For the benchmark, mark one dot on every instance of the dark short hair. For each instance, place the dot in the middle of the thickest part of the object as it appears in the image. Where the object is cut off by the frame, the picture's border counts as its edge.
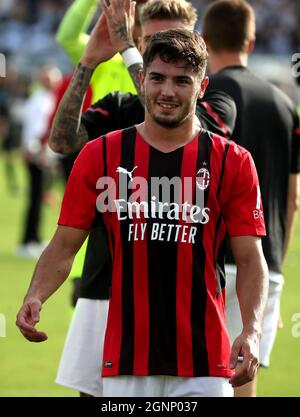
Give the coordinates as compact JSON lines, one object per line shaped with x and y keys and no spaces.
{"x":228,"y":25}
{"x":170,"y":10}
{"x":174,"y":45}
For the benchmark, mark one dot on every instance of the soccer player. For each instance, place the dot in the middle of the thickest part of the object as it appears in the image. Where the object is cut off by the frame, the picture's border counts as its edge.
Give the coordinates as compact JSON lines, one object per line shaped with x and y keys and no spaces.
{"x":216,"y":112}
{"x":267,"y":125}
{"x":166,"y":332}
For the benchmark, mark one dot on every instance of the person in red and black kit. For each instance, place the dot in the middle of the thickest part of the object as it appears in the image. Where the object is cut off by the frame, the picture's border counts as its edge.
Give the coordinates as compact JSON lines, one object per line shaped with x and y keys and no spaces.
{"x":216,"y":112}
{"x":167,"y":252}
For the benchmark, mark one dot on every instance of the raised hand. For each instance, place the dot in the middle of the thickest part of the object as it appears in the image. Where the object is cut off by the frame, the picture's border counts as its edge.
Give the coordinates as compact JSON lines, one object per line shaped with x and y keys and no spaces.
{"x":99,"y":48}
{"x":120,"y":16}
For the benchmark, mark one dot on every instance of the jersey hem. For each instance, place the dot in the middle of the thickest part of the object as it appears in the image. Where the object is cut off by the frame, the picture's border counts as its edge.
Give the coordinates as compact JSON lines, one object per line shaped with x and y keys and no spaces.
{"x":78,"y":388}
{"x":212,"y":373}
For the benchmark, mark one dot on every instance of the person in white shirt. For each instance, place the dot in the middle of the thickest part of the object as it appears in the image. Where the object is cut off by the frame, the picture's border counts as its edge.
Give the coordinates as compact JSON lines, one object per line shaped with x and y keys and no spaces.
{"x":36,"y":155}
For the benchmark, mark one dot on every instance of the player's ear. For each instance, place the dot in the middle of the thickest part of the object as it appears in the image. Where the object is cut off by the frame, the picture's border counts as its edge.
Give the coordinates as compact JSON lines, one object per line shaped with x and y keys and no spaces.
{"x":206,"y":42}
{"x":250,"y":46}
{"x":203,"y":86}
{"x":140,"y":45}
{"x":141,"y":81}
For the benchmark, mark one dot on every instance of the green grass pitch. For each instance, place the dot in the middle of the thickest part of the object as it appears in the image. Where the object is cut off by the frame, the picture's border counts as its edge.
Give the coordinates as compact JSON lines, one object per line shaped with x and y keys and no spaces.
{"x":28,"y":369}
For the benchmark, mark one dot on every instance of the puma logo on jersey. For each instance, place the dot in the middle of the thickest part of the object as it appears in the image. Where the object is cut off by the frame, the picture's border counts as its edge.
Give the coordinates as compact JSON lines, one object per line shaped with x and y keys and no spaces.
{"x":124,"y":171}
{"x":108,"y":364}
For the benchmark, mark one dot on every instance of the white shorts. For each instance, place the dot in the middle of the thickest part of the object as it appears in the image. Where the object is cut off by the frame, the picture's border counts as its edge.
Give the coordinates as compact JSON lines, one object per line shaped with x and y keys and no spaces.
{"x":80,"y":364}
{"x":272,"y":312}
{"x":166,"y":386}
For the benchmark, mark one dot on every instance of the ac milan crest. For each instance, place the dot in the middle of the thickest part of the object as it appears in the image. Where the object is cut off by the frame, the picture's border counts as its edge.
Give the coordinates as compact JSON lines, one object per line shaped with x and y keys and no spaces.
{"x":203,"y":179}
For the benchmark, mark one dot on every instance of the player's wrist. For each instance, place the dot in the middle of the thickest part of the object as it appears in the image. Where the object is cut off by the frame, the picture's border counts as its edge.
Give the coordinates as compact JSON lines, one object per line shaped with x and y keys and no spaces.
{"x":88,"y":63}
{"x":253,"y":330}
{"x":125,"y":45}
{"x":131,"y":56}
{"x":33,"y":298}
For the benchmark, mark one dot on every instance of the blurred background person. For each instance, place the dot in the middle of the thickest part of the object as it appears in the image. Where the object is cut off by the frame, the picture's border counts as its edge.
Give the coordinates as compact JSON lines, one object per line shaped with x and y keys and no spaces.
{"x":268,"y":126}
{"x":13,"y":94}
{"x":37,"y":155}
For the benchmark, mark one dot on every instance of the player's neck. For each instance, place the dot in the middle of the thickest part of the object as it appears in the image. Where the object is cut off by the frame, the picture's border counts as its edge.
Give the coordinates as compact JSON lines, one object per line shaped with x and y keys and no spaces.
{"x":221,"y":60}
{"x":167,"y":139}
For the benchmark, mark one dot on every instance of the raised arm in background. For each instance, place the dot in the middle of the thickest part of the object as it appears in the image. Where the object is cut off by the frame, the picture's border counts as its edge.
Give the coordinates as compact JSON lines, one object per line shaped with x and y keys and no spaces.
{"x":68,"y":134}
{"x":109,"y":36}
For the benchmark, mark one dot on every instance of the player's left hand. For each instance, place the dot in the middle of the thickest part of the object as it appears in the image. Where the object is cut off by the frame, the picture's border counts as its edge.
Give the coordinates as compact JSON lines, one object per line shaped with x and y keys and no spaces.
{"x":245,"y":346}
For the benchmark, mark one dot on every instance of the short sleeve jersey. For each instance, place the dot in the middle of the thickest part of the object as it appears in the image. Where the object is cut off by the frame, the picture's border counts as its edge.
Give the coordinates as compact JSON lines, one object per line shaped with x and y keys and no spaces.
{"x":216,"y":112}
{"x":166,"y":215}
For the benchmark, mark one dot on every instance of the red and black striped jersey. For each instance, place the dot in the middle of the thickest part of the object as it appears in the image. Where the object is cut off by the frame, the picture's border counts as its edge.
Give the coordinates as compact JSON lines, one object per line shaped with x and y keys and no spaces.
{"x":167,"y":216}
{"x":216,"y":113}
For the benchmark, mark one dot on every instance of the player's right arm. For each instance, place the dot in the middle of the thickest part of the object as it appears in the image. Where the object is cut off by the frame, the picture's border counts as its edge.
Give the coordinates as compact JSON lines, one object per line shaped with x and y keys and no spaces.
{"x":51,"y":271}
{"x":76,"y":219}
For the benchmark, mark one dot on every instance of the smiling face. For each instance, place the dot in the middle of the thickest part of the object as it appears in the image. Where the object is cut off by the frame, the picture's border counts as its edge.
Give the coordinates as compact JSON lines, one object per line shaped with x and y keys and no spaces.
{"x":171,"y":91}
